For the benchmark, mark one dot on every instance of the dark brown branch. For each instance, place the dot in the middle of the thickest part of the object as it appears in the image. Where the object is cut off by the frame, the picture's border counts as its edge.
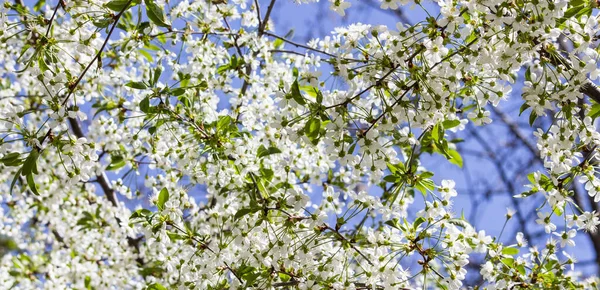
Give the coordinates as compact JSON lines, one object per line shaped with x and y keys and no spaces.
{"x":52,"y":19}
{"x":101,"y":179}
{"x":265,"y":20}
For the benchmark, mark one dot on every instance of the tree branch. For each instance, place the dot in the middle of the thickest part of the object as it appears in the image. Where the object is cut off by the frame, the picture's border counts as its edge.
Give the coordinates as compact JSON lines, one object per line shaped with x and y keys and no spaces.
{"x":101,"y":179}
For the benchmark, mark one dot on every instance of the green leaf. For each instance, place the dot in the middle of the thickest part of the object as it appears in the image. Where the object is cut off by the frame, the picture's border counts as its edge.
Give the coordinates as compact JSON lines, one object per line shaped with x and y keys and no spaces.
{"x":262,"y":189}
{"x":102,"y":23}
{"x":391,"y":178}
{"x":312,"y":128}
{"x":459,"y":223}
{"x":594,"y":111}
{"x":521,"y":269}
{"x":31,"y":184}
{"x":116,"y":163}
{"x":278,"y":42}
{"x":39,"y":5}
{"x":156,"y":286}
{"x":157,"y":73}
{"x":296,"y":95}
{"x":395,"y":168}
{"x":177,"y":92}
{"x":87,"y":282}
{"x":393,"y":223}
{"x":557,"y":211}
{"x":532,"y":118}
{"x":7,"y":243}
{"x":524,"y":107}
{"x":418,"y":222}
{"x":576,"y":9}
{"x":145,"y":105}
{"x":311,"y":91}
{"x":222,"y":69}
{"x":146,"y":54}
{"x":508,"y":261}
{"x":525,"y":194}
{"x":435,"y":133}
{"x":30,"y":164}
{"x":510,"y":251}
{"x":531,"y":177}
{"x":262,"y":151}
{"x":448,"y":124}
{"x":426,"y":174}
{"x":10,"y":158}
{"x":15,"y":178}
{"x":424,"y":185}
{"x":528,"y":74}
{"x":244,"y":211}
{"x":163,"y":196}
{"x":155,"y":13}
{"x":117,"y":5}
{"x":140,"y":213}
{"x":136,"y":85}
{"x":224,"y":122}
{"x":456,"y":158}
{"x":573,"y":3}
{"x":267,"y":173}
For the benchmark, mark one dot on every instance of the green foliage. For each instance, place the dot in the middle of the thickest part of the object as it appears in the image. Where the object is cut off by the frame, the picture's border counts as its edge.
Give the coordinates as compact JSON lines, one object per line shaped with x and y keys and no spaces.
{"x":163,"y":197}
{"x":156,"y":14}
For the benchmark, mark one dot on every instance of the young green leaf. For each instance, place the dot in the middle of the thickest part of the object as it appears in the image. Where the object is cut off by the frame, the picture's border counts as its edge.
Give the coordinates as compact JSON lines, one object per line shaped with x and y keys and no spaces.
{"x":10,"y":158}
{"x":418,"y":222}
{"x":594,"y":111}
{"x":312,"y":128}
{"x":156,"y":286}
{"x":156,"y":13}
{"x":456,"y":158}
{"x":177,"y":91}
{"x":117,"y":5}
{"x":30,"y":164}
{"x":532,"y":118}
{"x":156,"y":77}
{"x":136,"y":85}
{"x":15,"y":178}
{"x":296,"y":95}
{"x":510,"y":251}
{"x":524,"y":107}
{"x":262,"y":189}
{"x":244,"y":211}
{"x":263,"y":151}
{"x":163,"y":197}
{"x":145,"y":105}
{"x":31,"y":184}
{"x":116,"y":163}
{"x":448,"y":124}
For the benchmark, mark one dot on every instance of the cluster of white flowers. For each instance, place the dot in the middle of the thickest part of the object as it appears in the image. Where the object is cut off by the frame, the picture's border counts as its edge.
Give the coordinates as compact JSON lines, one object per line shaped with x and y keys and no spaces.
{"x":120,"y":99}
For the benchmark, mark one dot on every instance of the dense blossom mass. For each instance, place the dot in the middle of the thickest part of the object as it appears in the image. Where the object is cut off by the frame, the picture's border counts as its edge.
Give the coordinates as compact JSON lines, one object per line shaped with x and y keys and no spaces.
{"x":273,"y":164}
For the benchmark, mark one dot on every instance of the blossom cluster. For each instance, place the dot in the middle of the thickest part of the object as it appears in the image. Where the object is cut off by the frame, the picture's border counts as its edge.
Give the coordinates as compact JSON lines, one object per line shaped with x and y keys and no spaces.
{"x":297,"y":181}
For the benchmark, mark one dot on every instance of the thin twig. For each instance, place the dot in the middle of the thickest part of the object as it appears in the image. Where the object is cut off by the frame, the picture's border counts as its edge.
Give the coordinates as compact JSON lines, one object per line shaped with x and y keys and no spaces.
{"x":265,"y":20}
{"x":52,"y":19}
{"x":101,"y":179}
{"x":349,"y":243}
